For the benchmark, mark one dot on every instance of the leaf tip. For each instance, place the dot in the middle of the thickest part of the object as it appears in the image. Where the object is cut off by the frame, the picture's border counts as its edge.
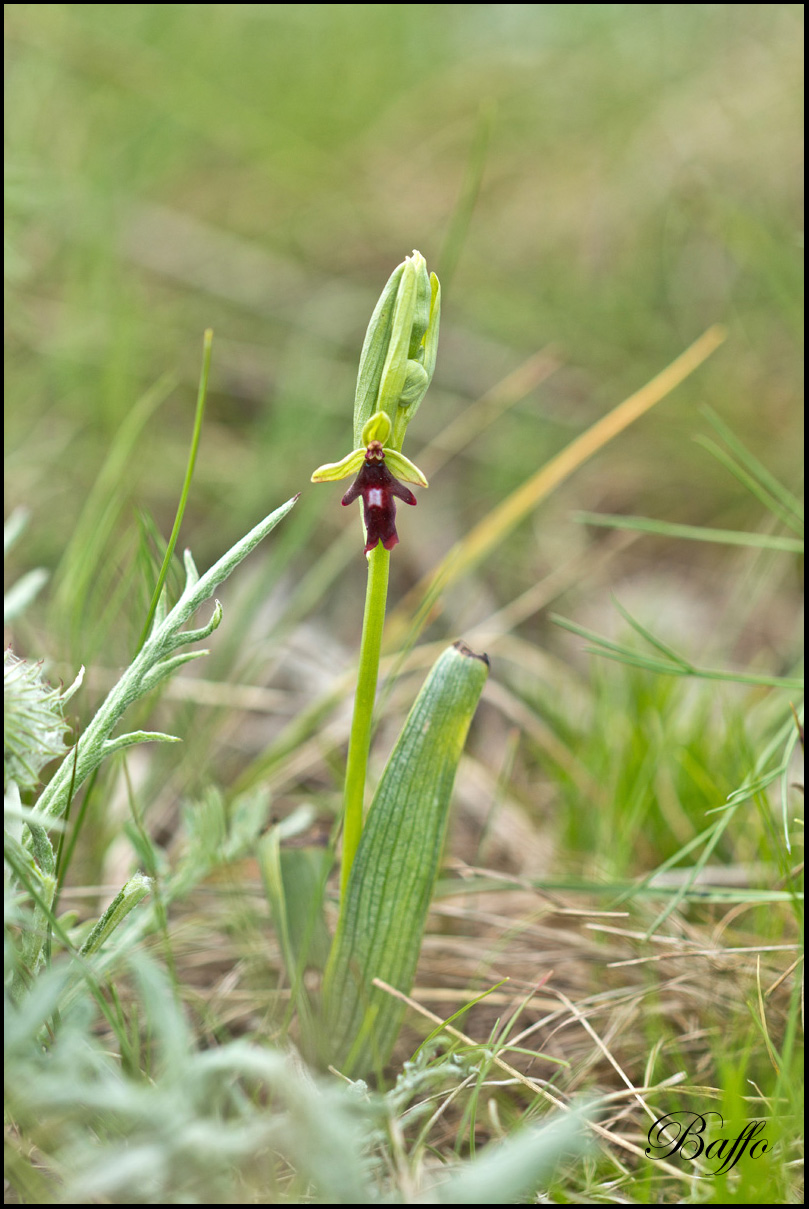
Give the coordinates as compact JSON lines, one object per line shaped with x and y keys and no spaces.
{"x":462,"y":649}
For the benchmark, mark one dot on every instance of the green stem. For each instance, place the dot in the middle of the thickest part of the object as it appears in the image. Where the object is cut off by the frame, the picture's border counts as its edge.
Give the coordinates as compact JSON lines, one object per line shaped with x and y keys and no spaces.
{"x":359,"y":743}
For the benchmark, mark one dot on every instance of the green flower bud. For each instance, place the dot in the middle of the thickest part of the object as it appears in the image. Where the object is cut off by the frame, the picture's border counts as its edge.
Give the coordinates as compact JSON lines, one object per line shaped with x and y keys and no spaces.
{"x":399,"y":352}
{"x":396,"y":365}
{"x":421,"y":310}
{"x":415,"y":386}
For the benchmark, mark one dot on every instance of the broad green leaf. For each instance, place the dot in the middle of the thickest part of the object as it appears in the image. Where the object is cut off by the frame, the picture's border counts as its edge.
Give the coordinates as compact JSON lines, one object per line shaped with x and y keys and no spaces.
{"x":294,"y":880}
{"x":304,"y":872}
{"x":393,"y":874}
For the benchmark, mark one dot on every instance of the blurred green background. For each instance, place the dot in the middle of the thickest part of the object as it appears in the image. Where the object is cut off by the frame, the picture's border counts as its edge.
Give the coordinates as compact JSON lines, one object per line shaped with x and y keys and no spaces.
{"x":602,"y":180}
{"x":595,"y":186}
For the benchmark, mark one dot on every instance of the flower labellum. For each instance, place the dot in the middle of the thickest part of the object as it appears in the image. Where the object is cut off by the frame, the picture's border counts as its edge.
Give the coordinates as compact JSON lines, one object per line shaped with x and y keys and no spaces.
{"x":378,"y":486}
{"x":380,"y":468}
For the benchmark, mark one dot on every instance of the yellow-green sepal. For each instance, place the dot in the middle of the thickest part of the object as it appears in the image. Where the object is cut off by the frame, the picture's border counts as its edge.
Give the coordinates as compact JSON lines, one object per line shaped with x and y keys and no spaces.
{"x":331,"y":471}
{"x":378,"y":428}
{"x":402,"y":468}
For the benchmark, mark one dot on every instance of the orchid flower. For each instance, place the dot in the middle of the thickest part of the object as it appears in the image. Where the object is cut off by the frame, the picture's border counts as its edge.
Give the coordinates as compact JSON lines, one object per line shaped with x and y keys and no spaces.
{"x":379,"y":469}
{"x":396,"y":367}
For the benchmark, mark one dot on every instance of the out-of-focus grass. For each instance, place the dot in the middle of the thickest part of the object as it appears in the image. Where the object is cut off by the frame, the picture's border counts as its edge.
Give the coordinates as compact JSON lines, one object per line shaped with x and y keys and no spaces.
{"x":603,"y":182}
{"x":257,"y":168}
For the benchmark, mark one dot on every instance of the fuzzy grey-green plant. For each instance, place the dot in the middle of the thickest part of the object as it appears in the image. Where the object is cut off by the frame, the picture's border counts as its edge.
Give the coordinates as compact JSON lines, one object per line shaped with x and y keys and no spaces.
{"x":33,"y":721}
{"x":28,"y":586}
{"x":151,"y":665}
{"x":236,"y":1123}
{"x":38,"y":725}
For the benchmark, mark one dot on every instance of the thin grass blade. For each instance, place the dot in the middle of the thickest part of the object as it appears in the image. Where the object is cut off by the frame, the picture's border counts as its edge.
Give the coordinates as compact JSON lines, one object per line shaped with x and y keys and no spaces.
{"x":693,"y":533}
{"x":493,"y":528}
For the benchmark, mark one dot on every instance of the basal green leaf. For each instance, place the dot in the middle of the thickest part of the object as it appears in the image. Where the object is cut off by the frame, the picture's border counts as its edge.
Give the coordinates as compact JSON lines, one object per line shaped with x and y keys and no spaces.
{"x":393,"y":874}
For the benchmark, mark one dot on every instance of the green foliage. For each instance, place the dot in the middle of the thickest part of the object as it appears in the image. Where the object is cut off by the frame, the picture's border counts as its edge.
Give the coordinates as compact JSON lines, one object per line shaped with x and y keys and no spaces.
{"x":154,"y":662}
{"x":391,"y":883}
{"x":192,"y":1126}
{"x":226,"y":1125}
{"x":596,"y":185}
{"x":28,"y":586}
{"x":33,"y":722}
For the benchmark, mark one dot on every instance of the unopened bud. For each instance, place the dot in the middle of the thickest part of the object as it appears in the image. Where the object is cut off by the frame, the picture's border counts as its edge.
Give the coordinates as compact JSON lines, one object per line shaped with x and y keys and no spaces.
{"x":399,"y":352}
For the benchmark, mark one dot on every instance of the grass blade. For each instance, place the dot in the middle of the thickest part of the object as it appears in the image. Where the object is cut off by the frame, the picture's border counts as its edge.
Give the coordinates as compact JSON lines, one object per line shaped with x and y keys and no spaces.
{"x":693,"y":533}
{"x":753,"y":484}
{"x":760,"y":472}
{"x":674,"y":665}
{"x":84,"y":553}
{"x":497,"y":524}
{"x":189,"y":474}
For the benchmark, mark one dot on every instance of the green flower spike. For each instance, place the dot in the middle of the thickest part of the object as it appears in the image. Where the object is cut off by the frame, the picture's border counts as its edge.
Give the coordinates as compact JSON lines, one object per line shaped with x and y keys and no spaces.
{"x":396,"y":366}
{"x":378,"y":468}
{"x":399,"y":353}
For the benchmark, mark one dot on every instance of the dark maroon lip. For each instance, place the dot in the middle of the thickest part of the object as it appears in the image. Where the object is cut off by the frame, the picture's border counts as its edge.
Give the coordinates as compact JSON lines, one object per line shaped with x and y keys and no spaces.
{"x":378,"y":486}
